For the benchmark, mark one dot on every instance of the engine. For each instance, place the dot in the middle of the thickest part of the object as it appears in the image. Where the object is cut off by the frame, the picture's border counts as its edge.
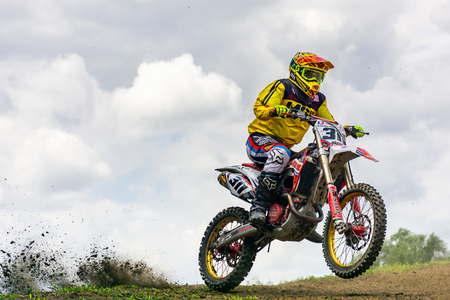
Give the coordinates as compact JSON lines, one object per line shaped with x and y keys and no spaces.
{"x":277,"y":214}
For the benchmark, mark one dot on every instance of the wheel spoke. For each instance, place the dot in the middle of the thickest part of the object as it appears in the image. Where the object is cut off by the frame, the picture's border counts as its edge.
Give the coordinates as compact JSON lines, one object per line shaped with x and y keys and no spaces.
{"x":225,"y":263}
{"x":352,"y":253}
{"x":225,"y":268}
{"x":350,"y":248}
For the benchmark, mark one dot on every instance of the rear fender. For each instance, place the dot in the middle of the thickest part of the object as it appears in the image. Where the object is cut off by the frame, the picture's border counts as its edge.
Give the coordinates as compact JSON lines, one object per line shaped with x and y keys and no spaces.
{"x":240,"y":180}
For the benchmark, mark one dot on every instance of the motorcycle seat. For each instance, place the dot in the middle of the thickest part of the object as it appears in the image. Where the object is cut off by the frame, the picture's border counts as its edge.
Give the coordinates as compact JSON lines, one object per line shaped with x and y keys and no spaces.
{"x":254,"y":166}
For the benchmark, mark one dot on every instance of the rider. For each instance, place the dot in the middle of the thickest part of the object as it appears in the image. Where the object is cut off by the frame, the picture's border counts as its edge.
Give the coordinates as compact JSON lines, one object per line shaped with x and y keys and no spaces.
{"x":272,"y":135}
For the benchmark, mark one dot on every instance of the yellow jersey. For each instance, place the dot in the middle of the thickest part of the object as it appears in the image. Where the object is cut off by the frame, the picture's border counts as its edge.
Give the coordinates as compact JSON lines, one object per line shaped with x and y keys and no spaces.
{"x":286,"y":130}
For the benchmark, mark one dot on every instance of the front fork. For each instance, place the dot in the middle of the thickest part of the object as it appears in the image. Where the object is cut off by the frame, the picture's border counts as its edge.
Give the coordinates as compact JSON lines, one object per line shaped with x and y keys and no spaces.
{"x":333,"y":201}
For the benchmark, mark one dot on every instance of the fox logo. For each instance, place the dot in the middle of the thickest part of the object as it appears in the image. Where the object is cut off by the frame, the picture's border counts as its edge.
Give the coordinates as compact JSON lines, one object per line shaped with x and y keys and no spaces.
{"x":276,"y":155}
{"x":269,"y":183}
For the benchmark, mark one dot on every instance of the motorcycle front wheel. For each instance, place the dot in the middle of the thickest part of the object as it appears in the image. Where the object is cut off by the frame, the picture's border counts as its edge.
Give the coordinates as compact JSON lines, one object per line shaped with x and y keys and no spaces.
{"x":225,"y":268}
{"x":351,"y":254}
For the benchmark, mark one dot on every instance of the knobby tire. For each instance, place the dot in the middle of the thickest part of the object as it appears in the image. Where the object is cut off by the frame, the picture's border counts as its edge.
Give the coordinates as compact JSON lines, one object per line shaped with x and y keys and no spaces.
{"x":349,"y":256}
{"x":236,"y":258}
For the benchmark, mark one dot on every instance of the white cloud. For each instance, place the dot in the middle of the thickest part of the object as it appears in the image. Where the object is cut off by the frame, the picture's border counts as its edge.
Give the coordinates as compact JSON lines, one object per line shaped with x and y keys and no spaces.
{"x":45,"y":101}
{"x":48,"y":93}
{"x":51,"y":158}
{"x":173,"y":97}
{"x":439,"y":14}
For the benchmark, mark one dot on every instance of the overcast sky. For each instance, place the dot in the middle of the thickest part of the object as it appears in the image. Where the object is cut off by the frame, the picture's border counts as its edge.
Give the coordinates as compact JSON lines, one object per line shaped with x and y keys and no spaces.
{"x":114,"y":115}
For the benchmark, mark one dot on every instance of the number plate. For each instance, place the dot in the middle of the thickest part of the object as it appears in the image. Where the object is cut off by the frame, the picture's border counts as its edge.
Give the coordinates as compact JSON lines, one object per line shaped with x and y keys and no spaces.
{"x":331,"y":135}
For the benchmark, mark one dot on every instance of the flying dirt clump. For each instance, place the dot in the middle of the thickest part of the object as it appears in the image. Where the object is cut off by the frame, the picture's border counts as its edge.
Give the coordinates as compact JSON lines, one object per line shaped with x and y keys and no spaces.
{"x":108,"y":271}
{"x":36,"y":265}
{"x":29,"y":269}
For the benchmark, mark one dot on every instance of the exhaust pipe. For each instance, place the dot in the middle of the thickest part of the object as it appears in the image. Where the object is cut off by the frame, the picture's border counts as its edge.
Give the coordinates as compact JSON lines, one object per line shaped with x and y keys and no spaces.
{"x":238,"y":233}
{"x":304,"y":217}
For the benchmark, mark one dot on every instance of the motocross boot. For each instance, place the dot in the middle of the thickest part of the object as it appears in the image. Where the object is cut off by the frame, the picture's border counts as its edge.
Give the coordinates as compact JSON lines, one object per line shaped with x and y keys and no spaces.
{"x":264,"y":191}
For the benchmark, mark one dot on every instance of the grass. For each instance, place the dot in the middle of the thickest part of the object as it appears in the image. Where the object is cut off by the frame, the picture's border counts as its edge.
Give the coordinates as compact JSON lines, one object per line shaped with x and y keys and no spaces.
{"x":180,"y":292}
{"x":402,"y":268}
{"x":131,"y":292}
{"x":396,"y":268}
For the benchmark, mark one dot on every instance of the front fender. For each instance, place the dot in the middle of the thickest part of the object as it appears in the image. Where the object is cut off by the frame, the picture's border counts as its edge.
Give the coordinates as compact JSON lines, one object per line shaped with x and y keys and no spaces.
{"x":334,"y":150}
{"x":339,"y":156}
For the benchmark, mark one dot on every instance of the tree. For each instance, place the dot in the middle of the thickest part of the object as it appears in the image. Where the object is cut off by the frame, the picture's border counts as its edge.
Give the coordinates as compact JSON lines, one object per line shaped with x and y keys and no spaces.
{"x":404,"y":247}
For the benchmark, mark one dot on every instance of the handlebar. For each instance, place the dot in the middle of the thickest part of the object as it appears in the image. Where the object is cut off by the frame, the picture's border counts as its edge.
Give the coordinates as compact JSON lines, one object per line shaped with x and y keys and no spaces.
{"x":297,"y":114}
{"x":303,"y":116}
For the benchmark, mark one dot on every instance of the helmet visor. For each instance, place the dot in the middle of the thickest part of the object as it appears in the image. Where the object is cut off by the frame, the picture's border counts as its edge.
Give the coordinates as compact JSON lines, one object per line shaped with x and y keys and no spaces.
{"x":312,"y":75}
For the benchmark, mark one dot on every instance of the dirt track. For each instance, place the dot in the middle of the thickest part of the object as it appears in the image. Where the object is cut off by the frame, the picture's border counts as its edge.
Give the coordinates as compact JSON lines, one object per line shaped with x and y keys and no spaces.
{"x":429,"y":283}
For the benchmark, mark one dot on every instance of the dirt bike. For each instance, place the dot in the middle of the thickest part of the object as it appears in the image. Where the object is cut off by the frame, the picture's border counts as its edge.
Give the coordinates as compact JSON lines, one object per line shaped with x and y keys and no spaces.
{"x":354,"y":229}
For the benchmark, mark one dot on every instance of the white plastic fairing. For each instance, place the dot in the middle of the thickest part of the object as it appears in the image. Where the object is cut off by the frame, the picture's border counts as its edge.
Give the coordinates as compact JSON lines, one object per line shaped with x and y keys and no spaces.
{"x":250,"y":173}
{"x":239,"y":186}
{"x":241,"y":181}
{"x":353,"y":149}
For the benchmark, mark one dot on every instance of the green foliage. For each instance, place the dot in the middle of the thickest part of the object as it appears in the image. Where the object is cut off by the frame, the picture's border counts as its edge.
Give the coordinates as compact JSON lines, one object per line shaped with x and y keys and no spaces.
{"x":406,"y":248}
{"x":132,"y":292}
{"x":397,"y":268}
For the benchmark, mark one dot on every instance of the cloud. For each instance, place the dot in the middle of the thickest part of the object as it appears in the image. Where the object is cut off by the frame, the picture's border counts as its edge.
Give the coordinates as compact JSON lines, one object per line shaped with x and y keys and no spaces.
{"x":48,"y":93}
{"x":438,"y":15}
{"x":173,"y":97}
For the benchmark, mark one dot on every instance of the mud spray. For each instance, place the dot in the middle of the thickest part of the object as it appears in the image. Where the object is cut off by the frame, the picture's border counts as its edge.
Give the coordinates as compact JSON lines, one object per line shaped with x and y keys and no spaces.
{"x":34,"y":265}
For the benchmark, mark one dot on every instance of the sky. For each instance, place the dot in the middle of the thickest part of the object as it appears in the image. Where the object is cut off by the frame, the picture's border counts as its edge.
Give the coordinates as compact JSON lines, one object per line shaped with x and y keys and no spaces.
{"x":114,"y":115}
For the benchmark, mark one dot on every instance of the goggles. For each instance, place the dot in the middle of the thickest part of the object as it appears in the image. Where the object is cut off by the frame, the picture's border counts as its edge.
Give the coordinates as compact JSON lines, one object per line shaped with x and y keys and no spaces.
{"x":312,"y":75}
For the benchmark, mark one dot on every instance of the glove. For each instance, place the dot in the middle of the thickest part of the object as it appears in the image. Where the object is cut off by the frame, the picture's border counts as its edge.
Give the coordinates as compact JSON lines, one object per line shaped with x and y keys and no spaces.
{"x":355,"y":131}
{"x":278,"y":111}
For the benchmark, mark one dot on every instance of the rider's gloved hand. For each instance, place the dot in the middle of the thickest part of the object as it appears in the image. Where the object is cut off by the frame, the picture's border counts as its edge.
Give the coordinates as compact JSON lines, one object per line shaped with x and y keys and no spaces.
{"x":278,"y":111}
{"x":355,"y":131}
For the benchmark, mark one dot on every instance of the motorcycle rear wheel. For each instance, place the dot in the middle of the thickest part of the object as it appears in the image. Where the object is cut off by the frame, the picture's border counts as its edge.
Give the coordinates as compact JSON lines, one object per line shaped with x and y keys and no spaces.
{"x":351,"y":254}
{"x":224,"y":269}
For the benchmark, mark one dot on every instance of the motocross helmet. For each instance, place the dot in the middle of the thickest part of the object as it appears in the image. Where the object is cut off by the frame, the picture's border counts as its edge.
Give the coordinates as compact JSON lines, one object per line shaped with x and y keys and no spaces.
{"x":307,"y":71}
